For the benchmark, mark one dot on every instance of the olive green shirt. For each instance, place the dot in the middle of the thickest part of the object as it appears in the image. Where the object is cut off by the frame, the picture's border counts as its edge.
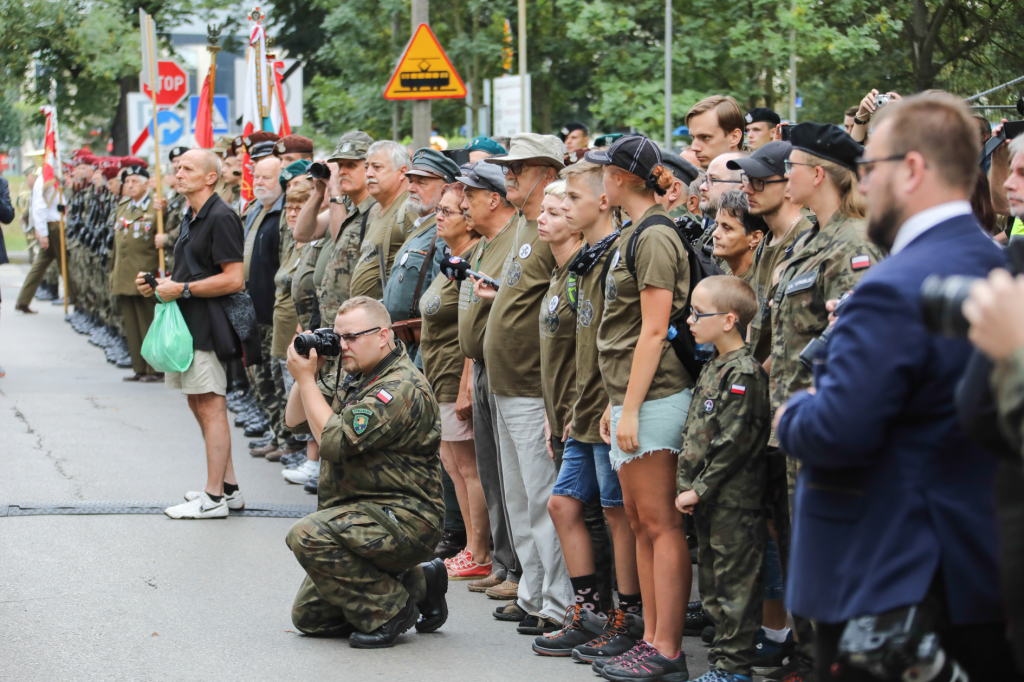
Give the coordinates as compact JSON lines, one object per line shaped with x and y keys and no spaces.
{"x":443,"y":360}
{"x":286,"y":319}
{"x":385,"y":234}
{"x":486,"y":258}
{"x":511,"y":342}
{"x":558,"y":347}
{"x":661,"y":262}
{"x":134,"y":245}
{"x":766,"y":260}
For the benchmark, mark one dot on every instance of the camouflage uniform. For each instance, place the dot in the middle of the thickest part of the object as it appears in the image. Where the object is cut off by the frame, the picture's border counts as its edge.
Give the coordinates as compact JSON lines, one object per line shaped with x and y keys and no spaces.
{"x":334,"y":289}
{"x":303,"y":287}
{"x":379,"y":509}
{"x":827,"y":262}
{"x":723,"y":462}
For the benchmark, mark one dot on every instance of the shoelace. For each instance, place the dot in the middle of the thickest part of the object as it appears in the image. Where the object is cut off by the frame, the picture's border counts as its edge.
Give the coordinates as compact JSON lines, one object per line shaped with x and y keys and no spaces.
{"x":616,"y":626}
{"x":570,"y":621}
{"x":457,"y":560}
{"x":630,"y":655}
{"x":647,"y":652}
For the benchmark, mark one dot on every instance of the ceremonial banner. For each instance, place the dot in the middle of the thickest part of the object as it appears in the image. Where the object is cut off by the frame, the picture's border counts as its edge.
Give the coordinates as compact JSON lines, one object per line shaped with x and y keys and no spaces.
{"x":257,"y":104}
{"x":204,"y":118}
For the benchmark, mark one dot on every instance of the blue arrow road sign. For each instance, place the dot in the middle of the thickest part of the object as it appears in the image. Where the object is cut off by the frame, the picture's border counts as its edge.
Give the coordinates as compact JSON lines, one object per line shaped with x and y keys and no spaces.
{"x":170,"y":125}
{"x":220,"y":114}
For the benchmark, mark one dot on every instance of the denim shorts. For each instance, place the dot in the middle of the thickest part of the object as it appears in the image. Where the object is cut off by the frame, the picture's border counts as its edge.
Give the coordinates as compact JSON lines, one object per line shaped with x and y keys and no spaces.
{"x":772,"y":572}
{"x":661,"y":424}
{"x":586,"y":473}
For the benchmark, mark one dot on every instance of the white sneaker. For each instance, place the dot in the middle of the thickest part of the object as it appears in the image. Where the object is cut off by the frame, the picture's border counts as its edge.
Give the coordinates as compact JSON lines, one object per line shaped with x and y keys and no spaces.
{"x":201,"y":507}
{"x":235,"y":500}
{"x":304,"y":473}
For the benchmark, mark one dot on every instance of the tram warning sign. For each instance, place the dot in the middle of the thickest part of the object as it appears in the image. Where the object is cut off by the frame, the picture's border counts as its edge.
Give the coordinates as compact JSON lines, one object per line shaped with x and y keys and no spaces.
{"x":424,"y":71}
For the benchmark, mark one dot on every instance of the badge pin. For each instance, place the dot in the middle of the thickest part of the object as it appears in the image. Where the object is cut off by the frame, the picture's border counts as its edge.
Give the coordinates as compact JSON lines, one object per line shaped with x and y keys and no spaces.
{"x":553,"y":304}
{"x":615,"y":259}
{"x":525,"y":251}
{"x":405,"y":258}
{"x":709,"y":405}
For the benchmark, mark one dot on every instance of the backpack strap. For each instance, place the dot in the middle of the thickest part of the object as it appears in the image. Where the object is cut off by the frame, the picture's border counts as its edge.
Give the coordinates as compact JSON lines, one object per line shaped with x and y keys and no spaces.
{"x":605,"y":269}
{"x":634,"y":239}
{"x":362,"y":228}
{"x":414,"y":308}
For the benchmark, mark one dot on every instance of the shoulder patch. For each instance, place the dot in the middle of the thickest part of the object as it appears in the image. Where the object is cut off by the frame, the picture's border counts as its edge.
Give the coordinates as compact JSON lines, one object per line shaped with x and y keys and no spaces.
{"x":738,"y":389}
{"x":860,"y":262}
{"x":363,"y":411}
{"x":709,"y":405}
{"x":360,"y":421}
{"x":384,"y":396}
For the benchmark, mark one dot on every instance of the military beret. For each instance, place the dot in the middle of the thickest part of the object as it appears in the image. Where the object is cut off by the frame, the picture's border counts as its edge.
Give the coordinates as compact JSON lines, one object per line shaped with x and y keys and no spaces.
{"x":260,"y":150}
{"x":680,"y":167}
{"x":761,"y":114}
{"x":110,"y":172}
{"x":134,"y":170}
{"x":569,"y":128}
{"x":828,"y":142}
{"x":294,"y":170}
{"x":133,"y":161}
{"x":431,"y":163}
{"x":176,"y":152}
{"x":352,"y":146}
{"x":236,"y":144}
{"x":486,"y":144}
{"x":607,"y":140}
{"x":253,"y":139}
{"x":293,"y":144}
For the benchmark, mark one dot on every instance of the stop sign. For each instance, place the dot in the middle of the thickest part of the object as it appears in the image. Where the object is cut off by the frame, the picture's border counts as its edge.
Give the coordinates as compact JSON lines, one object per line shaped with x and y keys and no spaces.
{"x":173,"y":84}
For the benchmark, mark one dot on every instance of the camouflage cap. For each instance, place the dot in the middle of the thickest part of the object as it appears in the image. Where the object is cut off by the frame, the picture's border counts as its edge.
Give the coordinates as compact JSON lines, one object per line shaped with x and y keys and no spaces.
{"x":545,"y":150}
{"x":353,"y":145}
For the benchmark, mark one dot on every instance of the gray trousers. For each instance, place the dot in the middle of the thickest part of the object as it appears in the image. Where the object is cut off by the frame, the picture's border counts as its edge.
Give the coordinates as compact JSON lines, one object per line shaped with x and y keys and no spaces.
{"x":485,"y":438}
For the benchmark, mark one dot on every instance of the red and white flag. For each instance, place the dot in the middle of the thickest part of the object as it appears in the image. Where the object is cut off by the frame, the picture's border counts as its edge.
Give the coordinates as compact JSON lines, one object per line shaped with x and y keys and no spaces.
{"x":52,"y":169}
{"x":204,"y":117}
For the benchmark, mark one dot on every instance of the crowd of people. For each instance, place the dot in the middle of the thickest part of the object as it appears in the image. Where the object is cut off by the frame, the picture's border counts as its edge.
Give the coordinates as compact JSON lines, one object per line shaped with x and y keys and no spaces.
{"x":622,"y":357}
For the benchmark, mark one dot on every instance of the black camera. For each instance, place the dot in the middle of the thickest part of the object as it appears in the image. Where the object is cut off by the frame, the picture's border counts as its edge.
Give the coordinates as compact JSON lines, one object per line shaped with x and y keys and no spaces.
{"x":318,"y":171}
{"x":817,"y":346}
{"x":942,"y":300}
{"x":324,"y":341}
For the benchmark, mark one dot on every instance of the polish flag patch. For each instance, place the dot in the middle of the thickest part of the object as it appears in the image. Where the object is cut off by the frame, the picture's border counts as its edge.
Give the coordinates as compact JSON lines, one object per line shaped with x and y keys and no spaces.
{"x":860,"y":262}
{"x":385,"y":397}
{"x":739,"y":390}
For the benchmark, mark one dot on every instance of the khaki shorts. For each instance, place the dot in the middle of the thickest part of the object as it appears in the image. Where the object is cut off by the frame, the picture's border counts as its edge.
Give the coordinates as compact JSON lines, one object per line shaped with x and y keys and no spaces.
{"x":205,"y":375}
{"x":451,"y":428}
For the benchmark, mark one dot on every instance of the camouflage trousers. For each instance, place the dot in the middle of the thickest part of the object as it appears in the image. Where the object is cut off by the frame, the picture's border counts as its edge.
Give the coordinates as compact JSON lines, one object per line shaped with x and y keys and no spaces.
{"x":361,"y":568}
{"x":267,"y":382}
{"x":731,"y":579}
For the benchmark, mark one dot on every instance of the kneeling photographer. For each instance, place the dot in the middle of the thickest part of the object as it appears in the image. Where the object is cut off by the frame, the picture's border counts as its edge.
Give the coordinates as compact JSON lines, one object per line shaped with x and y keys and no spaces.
{"x":380,"y":511}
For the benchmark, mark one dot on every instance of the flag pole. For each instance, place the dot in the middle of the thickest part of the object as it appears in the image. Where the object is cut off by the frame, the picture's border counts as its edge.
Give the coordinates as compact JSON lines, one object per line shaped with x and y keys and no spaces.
{"x":213,"y":47}
{"x":59,"y":182}
{"x":148,"y":30}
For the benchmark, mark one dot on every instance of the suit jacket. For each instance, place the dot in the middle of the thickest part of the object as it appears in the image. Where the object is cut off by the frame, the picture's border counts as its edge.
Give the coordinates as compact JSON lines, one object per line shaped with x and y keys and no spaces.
{"x":891,"y":489}
{"x":6,"y":215}
{"x":265,"y":260}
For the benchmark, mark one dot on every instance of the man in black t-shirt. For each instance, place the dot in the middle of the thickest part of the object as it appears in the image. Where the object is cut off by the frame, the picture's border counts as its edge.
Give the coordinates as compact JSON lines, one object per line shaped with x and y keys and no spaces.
{"x":213,"y":237}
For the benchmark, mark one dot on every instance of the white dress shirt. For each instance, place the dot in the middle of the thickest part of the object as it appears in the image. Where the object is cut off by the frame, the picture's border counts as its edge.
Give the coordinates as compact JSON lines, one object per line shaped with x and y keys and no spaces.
{"x":916,"y":225}
{"x":44,"y":208}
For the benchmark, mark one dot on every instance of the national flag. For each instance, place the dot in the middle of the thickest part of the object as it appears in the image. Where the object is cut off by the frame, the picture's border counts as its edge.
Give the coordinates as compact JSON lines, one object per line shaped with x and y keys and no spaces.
{"x":51,"y":158}
{"x":385,"y":397}
{"x":738,"y":389}
{"x":278,"y":112}
{"x":204,"y":117}
{"x":256,"y":101}
{"x":860,"y":262}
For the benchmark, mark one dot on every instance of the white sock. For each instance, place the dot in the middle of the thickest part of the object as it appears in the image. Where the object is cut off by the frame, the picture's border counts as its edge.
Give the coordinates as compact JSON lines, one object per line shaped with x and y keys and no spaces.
{"x":777,"y":636}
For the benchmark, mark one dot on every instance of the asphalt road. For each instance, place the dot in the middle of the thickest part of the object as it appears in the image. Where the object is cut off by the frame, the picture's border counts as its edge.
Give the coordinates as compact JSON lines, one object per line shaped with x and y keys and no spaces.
{"x":142,"y":597}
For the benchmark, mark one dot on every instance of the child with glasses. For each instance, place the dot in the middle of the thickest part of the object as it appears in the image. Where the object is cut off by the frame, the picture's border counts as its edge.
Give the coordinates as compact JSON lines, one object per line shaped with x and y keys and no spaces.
{"x":722,"y":474}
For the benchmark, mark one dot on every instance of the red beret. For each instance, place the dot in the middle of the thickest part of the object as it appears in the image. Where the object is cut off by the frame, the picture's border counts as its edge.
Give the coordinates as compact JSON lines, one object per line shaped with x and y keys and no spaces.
{"x":133,"y":161}
{"x":293,"y":144}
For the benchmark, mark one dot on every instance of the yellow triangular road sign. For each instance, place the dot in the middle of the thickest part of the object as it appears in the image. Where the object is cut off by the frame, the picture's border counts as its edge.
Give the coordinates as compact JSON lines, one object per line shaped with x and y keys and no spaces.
{"x":424,"y":71}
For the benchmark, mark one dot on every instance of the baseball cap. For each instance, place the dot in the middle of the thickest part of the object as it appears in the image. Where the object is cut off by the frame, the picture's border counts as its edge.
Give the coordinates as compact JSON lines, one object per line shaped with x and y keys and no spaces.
{"x":635,"y":154}
{"x":485,"y":176}
{"x":680,"y":167}
{"x":428,"y":162}
{"x":352,"y":146}
{"x":485,"y":144}
{"x":762,"y":114}
{"x":827,"y":142}
{"x":543,"y":149}
{"x":765,"y":162}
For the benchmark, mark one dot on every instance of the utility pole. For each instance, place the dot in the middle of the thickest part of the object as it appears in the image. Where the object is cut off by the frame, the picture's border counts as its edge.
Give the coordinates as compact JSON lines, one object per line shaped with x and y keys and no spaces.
{"x":420,"y":107}
{"x":522,"y":67}
{"x":792,"y":68}
{"x":668,"y":75}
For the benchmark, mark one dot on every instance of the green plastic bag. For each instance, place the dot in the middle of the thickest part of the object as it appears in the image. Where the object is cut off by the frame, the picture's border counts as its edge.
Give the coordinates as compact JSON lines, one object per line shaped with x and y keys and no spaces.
{"x":168,"y":344}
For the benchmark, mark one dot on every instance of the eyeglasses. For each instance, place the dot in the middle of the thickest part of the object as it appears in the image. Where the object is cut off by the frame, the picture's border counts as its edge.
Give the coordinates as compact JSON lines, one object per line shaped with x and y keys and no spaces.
{"x":866,"y":166}
{"x":696,"y":316}
{"x":350,"y":338}
{"x":448,"y":212}
{"x":757,"y":184}
{"x":788,"y":165}
{"x":289,"y":208}
{"x":515,"y":168}
{"x":711,"y":181}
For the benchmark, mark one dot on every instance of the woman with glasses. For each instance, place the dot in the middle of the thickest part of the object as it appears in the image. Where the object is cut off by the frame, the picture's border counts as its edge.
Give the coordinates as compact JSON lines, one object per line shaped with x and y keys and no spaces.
{"x":647,"y":286}
{"x":450,"y":375}
{"x":737,"y":234}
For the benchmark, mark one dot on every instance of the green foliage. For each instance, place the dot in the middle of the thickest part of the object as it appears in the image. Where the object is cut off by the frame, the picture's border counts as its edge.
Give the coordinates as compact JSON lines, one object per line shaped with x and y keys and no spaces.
{"x":10,"y":121}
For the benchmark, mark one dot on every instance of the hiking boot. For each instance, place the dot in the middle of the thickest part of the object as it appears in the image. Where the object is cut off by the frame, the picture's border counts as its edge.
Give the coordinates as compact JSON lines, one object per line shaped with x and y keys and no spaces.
{"x":385,"y":636}
{"x":621,"y":633}
{"x":579,"y":627}
{"x":641,"y":648}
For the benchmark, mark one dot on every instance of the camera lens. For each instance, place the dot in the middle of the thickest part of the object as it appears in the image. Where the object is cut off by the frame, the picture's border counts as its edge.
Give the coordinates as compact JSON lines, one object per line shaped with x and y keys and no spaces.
{"x":320,"y":171}
{"x":942,"y":300}
{"x":304,"y":343}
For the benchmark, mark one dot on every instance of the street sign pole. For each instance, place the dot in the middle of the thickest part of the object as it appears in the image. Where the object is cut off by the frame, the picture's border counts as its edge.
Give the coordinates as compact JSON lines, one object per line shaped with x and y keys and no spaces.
{"x":522,"y":66}
{"x":420,"y":107}
{"x":668,"y":75}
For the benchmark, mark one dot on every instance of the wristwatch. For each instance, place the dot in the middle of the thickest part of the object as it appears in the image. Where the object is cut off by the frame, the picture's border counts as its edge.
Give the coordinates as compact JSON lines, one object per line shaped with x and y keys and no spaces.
{"x":185,"y":293}
{"x":856,"y":120}
{"x":337,"y":200}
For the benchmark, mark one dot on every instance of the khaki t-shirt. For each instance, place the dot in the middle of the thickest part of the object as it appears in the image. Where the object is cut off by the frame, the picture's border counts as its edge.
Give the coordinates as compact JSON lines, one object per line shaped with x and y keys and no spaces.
{"x":558,"y":347}
{"x":486,"y":258}
{"x":767,"y":258}
{"x":511,"y":342}
{"x":285,"y":316}
{"x":661,"y":262}
{"x":385,"y":233}
{"x":593,"y":399}
{"x":443,"y":360}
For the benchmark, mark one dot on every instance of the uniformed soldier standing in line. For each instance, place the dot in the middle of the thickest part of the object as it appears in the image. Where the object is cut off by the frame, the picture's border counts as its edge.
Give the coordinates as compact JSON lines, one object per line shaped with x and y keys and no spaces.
{"x":379,"y":511}
{"x":134,"y":252}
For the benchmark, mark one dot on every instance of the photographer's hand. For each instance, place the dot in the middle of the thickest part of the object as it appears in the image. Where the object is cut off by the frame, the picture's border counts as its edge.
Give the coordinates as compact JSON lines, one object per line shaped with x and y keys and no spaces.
{"x":995,"y":310}
{"x":304,"y":368}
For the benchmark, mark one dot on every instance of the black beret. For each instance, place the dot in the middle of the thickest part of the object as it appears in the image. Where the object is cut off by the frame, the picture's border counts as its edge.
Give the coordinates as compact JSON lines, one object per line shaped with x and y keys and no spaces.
{"x":762,"y":114}
{"x":570,"y":127}
{"x":827,"y":141}
{"x":176,"y":152}
{"x":680,"y":167}
{"x":134,"y":170}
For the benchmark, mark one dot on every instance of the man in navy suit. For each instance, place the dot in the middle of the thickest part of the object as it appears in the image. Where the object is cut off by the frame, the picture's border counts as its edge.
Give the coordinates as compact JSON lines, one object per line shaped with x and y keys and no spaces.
{"x":894,"y":504}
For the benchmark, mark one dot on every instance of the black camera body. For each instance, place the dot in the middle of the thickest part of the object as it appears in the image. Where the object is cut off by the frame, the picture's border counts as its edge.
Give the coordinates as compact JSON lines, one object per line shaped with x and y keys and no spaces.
{"x":318,"y":171}
{"x":942,"y":300}
{"x":324,"y":341}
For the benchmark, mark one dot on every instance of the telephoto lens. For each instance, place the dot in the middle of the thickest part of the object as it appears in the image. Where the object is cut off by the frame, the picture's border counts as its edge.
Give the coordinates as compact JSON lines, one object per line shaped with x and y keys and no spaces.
{"x":942,"y":300}
{"x":324,"y":341}
{"x":319,"y":170}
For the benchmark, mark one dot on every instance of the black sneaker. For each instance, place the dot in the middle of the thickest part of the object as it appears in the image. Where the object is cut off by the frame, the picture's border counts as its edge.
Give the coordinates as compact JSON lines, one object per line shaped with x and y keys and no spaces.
{"x":707,"y":635}
{"x":696,"y":621}
{"x":579,"y":627}
{"x":621,"y":633}
{"x":648,"y":666}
